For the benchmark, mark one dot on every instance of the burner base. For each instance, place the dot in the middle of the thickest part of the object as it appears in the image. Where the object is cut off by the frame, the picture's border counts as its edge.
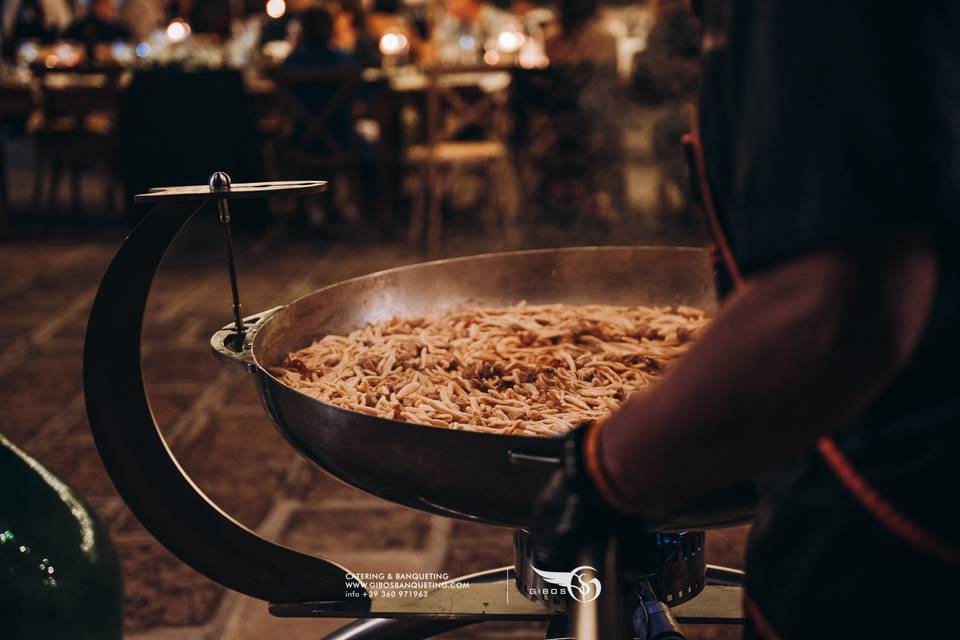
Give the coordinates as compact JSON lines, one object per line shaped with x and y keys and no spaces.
{"x":674,"y":565}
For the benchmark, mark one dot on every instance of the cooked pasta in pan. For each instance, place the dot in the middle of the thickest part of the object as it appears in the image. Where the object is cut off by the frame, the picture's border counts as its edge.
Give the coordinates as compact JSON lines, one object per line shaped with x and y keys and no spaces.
{"x":523,"y":369}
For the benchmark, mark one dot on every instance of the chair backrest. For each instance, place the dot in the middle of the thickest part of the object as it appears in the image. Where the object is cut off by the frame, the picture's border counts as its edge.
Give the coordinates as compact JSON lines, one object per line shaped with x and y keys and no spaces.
{"x":466,"y":101}
{"x":77,"y":91}
{"x":320,"y":103}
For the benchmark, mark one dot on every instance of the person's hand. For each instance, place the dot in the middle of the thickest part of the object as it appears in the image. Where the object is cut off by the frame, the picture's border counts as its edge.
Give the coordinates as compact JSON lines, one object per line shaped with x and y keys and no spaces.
{"x":570,"y":512}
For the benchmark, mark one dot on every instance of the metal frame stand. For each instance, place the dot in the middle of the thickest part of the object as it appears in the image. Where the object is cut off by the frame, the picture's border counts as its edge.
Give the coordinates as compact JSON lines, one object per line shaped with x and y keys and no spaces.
{"x":172,"y":508}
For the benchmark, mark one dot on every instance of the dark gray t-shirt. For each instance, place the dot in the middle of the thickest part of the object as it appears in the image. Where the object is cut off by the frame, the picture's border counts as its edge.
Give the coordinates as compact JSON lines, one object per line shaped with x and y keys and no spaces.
{"x":824,"y":123}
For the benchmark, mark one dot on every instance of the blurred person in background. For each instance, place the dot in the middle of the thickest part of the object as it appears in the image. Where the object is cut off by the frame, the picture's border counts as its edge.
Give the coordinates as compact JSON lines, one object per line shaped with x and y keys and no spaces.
{"x":574,"y":107}
{"x":99,"y":24}
{"x":351,"y":35}
{"x":39,"y":20}
{"x":464,"y":27}
{"x":314,"y":47}
{"x":316,"y":51}
{"x":386,"y":17}
{"x":583,"y":36}
{"x":574,"y":120}
{"x":665,"y":80}
{"x":669,"y":66}
{"x":142,"y":17}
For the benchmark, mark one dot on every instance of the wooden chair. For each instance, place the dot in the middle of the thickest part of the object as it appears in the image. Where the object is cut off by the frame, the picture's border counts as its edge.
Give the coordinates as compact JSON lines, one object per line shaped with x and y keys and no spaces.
{"x":465,"y":125}
{"x":75,"y":128}
{"x":317,"y":108}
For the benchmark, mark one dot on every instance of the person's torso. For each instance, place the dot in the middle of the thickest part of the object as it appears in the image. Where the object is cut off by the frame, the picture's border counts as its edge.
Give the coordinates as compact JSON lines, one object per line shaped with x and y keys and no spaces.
{"x":813,"y":541}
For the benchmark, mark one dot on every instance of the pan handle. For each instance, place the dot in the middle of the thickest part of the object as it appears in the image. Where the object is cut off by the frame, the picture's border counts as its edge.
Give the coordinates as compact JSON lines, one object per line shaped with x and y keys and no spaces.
{"x":525,"y":458}
{"x":226,"y":343}
{"x":141,"y":465}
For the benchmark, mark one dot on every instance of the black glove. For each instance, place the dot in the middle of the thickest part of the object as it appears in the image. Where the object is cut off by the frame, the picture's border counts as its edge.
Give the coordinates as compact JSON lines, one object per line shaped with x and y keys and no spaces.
{"x":570,"y":512}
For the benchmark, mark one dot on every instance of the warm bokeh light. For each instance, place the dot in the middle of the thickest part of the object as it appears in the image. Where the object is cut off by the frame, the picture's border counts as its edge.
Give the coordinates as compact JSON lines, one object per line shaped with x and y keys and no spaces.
{"x":510,"y":41}
{"x":178,"y":30}
{"x":618,"y":28}
{"x":491,"y":57}
{"x":67,"y":55}
{"x":393,"y":43}
{"x":277,"y":50}
{"x":28,"y":52}
{"x":532,"y":59}
{"x":121,"y":51}
{"x":276,"y":8}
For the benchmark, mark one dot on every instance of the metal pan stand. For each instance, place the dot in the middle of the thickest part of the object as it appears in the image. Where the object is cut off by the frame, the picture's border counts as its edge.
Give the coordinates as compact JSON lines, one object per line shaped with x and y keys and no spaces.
{"x":173,"y":509}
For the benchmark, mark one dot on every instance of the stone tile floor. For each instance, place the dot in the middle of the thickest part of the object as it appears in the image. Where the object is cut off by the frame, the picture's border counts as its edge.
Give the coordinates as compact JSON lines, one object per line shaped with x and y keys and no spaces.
{"x":212,"y":418}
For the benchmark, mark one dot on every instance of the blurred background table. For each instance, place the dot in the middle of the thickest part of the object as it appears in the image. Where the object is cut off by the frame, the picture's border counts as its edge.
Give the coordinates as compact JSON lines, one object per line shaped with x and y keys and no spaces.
{"x":410,"y":164}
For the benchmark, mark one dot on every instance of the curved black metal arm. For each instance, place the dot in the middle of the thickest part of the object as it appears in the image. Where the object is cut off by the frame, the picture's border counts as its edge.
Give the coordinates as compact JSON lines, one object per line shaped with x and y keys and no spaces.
{"x":143,"y":468}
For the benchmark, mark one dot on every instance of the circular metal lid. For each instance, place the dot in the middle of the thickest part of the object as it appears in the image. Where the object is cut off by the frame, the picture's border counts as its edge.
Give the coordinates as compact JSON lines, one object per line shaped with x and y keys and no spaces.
{"x":235,"y":191}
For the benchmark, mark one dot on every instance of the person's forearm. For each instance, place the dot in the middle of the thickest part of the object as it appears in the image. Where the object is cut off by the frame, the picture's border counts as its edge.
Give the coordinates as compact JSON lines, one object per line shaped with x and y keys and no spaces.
{"x":791,"y":357}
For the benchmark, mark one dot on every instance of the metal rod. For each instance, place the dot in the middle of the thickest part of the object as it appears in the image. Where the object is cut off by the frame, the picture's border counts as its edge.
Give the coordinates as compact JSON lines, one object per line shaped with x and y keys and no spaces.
{"x":219,"y":183}
{"x":224,"y":207}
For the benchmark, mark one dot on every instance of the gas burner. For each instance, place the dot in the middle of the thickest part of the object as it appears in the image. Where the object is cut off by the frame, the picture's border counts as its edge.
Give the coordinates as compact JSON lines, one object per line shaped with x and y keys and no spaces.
{"x":675,"y":568}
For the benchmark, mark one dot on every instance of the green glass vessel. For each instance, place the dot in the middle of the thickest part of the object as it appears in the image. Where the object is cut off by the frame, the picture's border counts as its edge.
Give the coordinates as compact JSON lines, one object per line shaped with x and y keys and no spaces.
{"x":59,"y":576}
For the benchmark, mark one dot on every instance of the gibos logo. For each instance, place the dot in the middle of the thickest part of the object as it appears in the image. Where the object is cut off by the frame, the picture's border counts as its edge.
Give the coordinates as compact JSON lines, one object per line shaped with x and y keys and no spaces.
{"x":581,"y":590}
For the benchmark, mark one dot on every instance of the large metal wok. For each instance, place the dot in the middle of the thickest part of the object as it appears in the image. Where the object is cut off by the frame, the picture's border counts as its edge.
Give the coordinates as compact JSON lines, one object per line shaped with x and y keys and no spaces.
{"x":477,"y":476}
{"x":481,"y":476}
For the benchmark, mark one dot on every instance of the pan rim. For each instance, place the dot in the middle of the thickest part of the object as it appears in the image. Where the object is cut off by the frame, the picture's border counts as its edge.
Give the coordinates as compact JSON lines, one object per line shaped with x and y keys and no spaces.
{"x":393,"y":423}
